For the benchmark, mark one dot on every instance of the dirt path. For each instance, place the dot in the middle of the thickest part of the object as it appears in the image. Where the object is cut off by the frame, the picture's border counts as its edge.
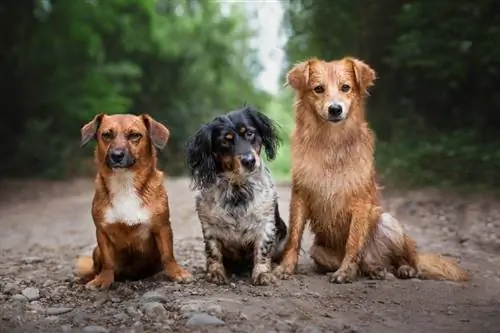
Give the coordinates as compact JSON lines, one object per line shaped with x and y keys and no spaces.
{"x":45,"y":225}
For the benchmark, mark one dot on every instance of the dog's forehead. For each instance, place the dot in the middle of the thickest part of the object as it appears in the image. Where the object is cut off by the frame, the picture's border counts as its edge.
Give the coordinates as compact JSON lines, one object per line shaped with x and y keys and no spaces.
{"x":122,"y":122}
{"x":332,"y":71}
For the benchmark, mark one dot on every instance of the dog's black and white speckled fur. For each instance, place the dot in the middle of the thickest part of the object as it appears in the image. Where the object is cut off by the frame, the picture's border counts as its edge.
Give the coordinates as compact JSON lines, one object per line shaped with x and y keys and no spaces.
{"x":237,"y":202}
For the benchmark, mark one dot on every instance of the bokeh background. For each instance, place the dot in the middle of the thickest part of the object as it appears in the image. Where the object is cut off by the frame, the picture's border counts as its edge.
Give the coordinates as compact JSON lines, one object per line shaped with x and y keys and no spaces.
{"x":435,"y":107}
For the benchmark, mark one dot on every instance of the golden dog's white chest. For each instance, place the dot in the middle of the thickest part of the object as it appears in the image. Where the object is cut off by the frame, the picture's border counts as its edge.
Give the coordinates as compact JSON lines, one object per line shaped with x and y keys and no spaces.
{"x":125,"y":204}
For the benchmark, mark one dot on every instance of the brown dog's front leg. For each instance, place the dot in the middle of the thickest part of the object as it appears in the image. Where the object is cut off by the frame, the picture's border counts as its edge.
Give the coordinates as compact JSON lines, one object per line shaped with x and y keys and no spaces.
{"x":164,"y":240}
{"x":363,"y":222}
{"x":106,"y":276}
{"x":298,"y":217}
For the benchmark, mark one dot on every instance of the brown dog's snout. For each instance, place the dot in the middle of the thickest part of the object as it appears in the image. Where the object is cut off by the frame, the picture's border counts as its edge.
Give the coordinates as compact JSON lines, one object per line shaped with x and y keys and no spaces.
{"x":119,"y":157}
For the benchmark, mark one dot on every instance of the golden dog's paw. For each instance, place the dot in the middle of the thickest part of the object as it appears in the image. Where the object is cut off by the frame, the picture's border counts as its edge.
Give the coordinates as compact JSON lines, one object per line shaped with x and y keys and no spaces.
{"x":283,"y":272}
{"x":101,"y":281}
{"x":264,"y":279}
{"x":406,"y":272}
{"x":379,"y":273}
{"x":340,"y":276}
{"x":216,"y":275}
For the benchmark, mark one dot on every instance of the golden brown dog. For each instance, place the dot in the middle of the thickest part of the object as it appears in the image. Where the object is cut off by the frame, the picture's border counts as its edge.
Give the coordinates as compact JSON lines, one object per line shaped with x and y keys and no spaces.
{"x":130,"y":206}
{"x":334,"y":184}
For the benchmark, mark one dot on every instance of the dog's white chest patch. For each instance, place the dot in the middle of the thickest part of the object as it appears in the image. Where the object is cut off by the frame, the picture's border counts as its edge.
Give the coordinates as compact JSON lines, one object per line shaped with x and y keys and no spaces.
{"x":126,"y":205}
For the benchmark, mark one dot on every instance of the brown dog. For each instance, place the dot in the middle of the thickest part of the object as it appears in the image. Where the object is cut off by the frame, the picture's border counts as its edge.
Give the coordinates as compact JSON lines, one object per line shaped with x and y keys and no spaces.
{"x":130,"y":206}
{"x":334,"y":183}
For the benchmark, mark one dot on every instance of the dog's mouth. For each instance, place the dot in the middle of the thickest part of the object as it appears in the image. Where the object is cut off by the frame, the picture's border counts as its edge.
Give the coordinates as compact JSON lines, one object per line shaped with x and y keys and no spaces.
{"x":334,"y":119}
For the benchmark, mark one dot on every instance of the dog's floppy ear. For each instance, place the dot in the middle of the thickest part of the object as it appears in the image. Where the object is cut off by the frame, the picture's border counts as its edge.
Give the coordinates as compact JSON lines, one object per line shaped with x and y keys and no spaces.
{"x":298,"y":76}
{"x":268,"y":131}
{"x":365,"y":75}
{"x":89,"y":130}
{"x":200,"y":157}
{"x":158,"y":133}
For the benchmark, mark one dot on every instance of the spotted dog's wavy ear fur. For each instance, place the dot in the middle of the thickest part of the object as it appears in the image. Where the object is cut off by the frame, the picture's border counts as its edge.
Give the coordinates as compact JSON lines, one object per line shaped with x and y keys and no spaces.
{"x":268,"y":131}
{"x":200,"y":158}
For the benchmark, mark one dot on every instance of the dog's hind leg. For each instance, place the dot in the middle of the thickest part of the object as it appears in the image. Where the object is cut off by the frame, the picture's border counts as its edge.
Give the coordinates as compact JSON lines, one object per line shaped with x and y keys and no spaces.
{"x":326,"y":260}
{"x":392,"y":247}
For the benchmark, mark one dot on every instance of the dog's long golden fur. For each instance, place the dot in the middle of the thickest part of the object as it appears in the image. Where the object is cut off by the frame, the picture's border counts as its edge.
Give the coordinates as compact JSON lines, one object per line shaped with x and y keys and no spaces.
{"x":335,"y":187}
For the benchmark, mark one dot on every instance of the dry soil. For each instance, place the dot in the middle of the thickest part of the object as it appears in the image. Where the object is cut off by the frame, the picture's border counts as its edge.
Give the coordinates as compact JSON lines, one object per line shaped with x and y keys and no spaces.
{"x":45,"y":225}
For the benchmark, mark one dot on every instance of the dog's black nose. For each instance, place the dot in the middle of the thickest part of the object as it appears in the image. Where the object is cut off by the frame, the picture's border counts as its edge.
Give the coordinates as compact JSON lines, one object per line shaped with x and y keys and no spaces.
{"x":335,"y":110}
{"x":117,"y":155}
{"x":248,"y":161}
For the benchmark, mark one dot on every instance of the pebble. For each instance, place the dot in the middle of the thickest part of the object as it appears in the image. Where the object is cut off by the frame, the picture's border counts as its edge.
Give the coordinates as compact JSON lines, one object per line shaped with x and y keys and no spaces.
{"x":32,"y":294}
{"x":32,"y":260}
{"x":132,"y":311}
{"x":66,"y":328}
{"x":96,"y":329}
{"x":154,"y":310}
{"x":201,"y":306}
{"x":19,"y":297}
{"x":9,"y":288}
{"x":153,"y":296}
{"x":200,"y":319}
{"x":57,"y":311}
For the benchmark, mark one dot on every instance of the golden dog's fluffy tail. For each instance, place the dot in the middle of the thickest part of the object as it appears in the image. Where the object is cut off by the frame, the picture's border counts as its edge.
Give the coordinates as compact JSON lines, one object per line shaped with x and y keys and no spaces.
{"x":84,"y":266}
{"x":436,"y":267}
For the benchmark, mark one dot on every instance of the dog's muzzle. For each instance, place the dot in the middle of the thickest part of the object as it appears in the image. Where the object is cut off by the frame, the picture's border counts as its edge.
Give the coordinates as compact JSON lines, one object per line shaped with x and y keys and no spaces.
{"x":248,"y":161}
{"x":335,"y":112}
{"x":119,"y":158}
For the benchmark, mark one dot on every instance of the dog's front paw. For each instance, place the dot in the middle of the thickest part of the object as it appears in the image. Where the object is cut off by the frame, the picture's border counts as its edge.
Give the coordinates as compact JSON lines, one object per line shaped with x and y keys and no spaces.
{"x":182,"y":276}
{"x":264,"y":279}
{"x":406,"y":272}
{"x":102,"y":281}
{"x":341,"y":276}
{"x":283,"y":272}
{"x":378,"y":273}
{"x":216,"y":274}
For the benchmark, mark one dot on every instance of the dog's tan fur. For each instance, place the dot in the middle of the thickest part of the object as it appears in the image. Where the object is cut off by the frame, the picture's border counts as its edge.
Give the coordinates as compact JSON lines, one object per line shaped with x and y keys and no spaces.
{"x":335,"y":187}
{"x":135,"y":240}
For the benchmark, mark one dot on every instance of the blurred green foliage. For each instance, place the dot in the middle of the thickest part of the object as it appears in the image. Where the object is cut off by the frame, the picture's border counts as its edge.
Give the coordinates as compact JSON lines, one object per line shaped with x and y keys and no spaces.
{"x":182,"y":61}
{"x":435,"y":107}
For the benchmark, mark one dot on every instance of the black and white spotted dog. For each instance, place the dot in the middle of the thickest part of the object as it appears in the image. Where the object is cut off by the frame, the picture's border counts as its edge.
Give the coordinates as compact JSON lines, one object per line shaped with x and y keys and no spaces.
{"x":237,"y":203}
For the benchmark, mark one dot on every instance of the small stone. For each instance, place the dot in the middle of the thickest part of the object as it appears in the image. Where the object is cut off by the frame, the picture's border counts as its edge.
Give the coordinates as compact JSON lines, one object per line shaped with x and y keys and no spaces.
{"x":96,"y":329}
{"x":32,"y":260}
{"x":121,"y":316}
{"x":19,"y":297}
{"x":201,"y":306}
{"x":66,"y":328}
{"x":154,"y":310}
{"x":57,"y":311}
{"x":201,"y":319}
{"x":131,"y":311}
{"x":9,"y":288}
{"x":35,"y":306}
{"x":153,"y":296}
{"x":32,"y":294}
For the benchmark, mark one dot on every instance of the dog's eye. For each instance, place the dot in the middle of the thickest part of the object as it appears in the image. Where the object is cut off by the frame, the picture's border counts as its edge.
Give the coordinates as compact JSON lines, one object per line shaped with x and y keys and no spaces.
{"x":106,"y":136}
{"x":225,"y":143}
{"x":250,"y":135}
{"x":134,"y":136}
{"x":319,"y":89}
{"x":345,"y":88}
